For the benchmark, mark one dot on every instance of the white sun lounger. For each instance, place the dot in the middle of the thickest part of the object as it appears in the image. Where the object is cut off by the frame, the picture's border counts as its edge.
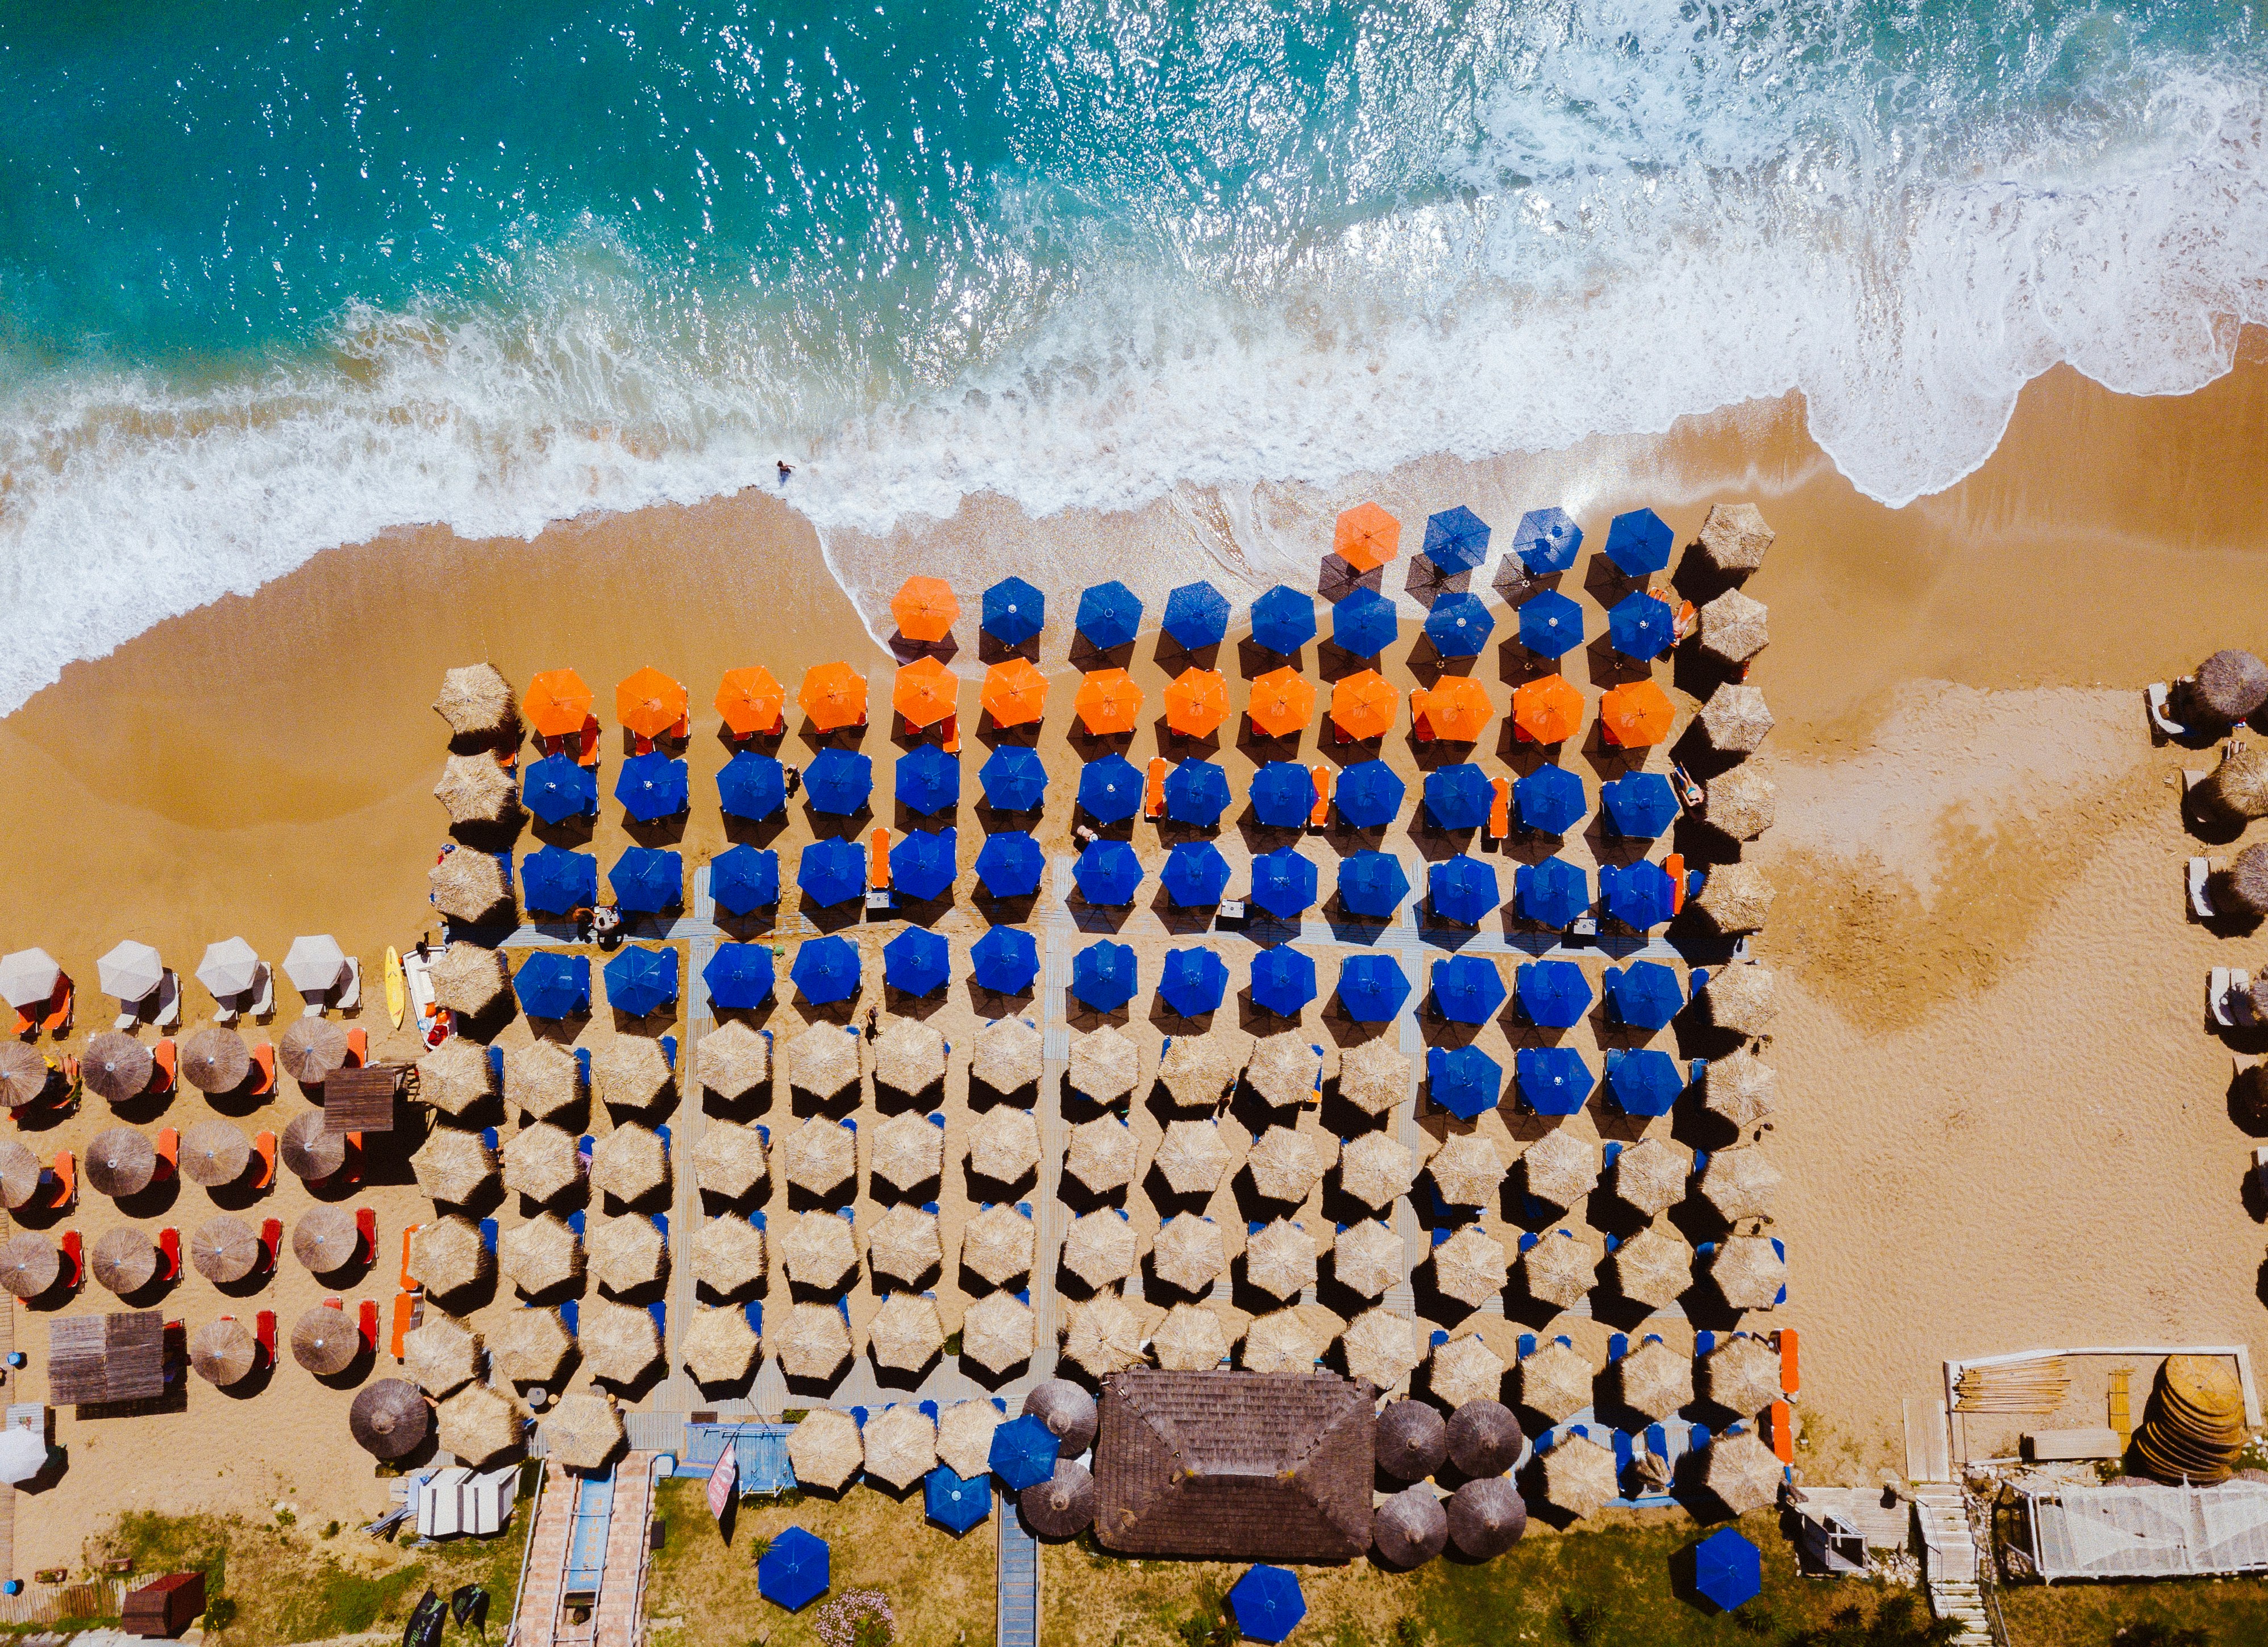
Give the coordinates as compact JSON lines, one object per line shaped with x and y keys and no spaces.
{"x":2228,"y":998}
{"x":2201,"y":872}
{"x":2158,"y":697}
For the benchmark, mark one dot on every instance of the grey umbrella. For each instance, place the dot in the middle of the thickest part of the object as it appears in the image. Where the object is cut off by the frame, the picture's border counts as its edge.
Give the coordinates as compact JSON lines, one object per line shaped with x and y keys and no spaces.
{"x":1413,"y":1440}
{"x":1067,"y":1410}
{"x":1485,"y":1438}
{"x":389,"y":1418}
{"x":1487,"y":1517}
{"x":1061,"y":1506}
{"x":1410,"y":1529}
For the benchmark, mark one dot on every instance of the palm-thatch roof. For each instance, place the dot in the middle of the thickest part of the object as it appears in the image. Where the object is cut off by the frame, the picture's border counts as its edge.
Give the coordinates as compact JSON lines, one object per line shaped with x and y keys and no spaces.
{"x":625,"y":1253}
{"x":1286,"y":1068}
{"x":905,"y":1246}
{"x":728,"y":1158}
{"x":1734,"y":537}
{"x":1279,"y":1259}
{"x":455,"y":1076}
{"x":1742,"y":1374}
{"x":1200,"y":1071}
{"x":1375,"y":1168}
{"x":1285,"y":1164}
{"x":620,"y":1342}
{"x":1742,"y":803}
{"x":905,"y":1334}
{"x":1381,"y":1348}
{"x":214,"y":1153}
{"x":998,"y":1244}
{"x":820,"y":1154}
{"x":1471,"y":1266}
{"x":1739,"y":998}
{"x":1741,"y":1088}
{"x":476,"y":701}
{"x":1190,"y":1339}
{"x":541,"y":1162}
{"x":1740,"y":1183}
{"x":1485,"y":1438}
{"x":1008,"y":1056}
{"x":823,"y":1060}
{"x":1366,"y":1258}
{"x":447,"y":1256}
{"x":1653,"y":1266}
{"x":20,"y":1169}
{"x":542,"y":1079}
{"x":1736,"y":719}
{"x":1192,"y":1158}
{"x":1004,"y":1144}
{"x":733,"y":1061}
{"x":1102,"y":1154}
{"x":1579,"y":1476}
{"x":121,"y":1161}
{"x":1099,"y":1248}
{"x":907,"y":1149}
{"x":479,"y":1424}
{"x":25,"y":1074}
{"x":223,"y":1249}
{"x":1373,"y":1077}
{"x":1650,"y":1175}
{"x":1188,"y":1253}
{"x":1104,"y":1335}
{"x":1655,"y":1379}
{"x":123,"y":1260}
{"x":909,"y":1057}
{"x":1735,"y":897}
{"x":530,"y":1346}
{"x":1465,"y":1369}
{"x":1558,"y":1268}
{"x":452,"y":1166}
{"x":901,"y":1445}
{"x":1413,"y":1440}
{"x":311,"y":1151}
{"x":583,"y":1431}
{"x":541,"y":1254}
{"x":1410,"y":1529}
{"x":1486,"y":1518}
{"x":2237,"y":789}
{"x":1104,"y":1065}
{"x":115,"y":1066}
{"x":1062,"y":1506}
{"x":470,"y":886}
{"x":1734,"y":626}
{"x":727,"y":1255}
{"x":1749,"y":1272}
{"x":467,"y":979}
{"x":816,"y":1250}
{"x":825,"y":1451}
{"x":631,"y":1072}
{"x":964,"y":1436}
{"x":720,"y":1347}
{"x":442,"y":1355}
{"x":477,"y":789}
{"x":1282,"y":1341}
{"x":1466,"y":1169}
{"x":2244,"y":883}
{"x":1560,"y":1168}
{"x":998,"y":1331}
{"x":325,"y":1240}
{"x":2228,"y":686}
{"x":630,"y":1163}
{"x":812,"y":1342}
{"x":1742,"y":1472}
{"x":389,"y":1418}
{"x":223,"y":1352}
{"x":1555,"y":1382}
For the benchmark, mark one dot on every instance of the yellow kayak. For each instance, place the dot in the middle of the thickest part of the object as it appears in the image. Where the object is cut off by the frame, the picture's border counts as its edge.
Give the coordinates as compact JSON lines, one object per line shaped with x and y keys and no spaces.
{"x":397,"y":993}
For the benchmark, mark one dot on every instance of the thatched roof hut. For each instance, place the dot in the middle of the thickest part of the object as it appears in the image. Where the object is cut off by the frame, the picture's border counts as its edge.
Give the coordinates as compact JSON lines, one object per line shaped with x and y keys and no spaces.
{"x":1486,"y":1518}
{"x":1734,"y":537}
{"x":1742,"y":1472}
{"x":541,"y":1162}
{"x":620,"y":1342}
{"x":1736,"y":719}
{"x":1104,"y":1065}
{"x":1410,"y":1529}
{"x":123,"y":1260}
{"x":2237,"y":789}
{"x":389,"y":1418}
{"x":905,"y":1246}
{"x":1004,"y":1144}
{"x":1742,"y":1374}
{"x":1190,"y":1339}
{"x":1008,"y":1056}
{"x":479,"y":1424}
{"x":115,"y":1066}
{"x":964,"y":1434}
{"x":820,"y":1154}
{"x":728,"y":1159}
{"x":470,"y":886}
{"x":442,"y":1355}
{"x":1104,"y":1335}
{"x":1650,"y":1175}
{"x":909,"y":1057}
{"x":1200,"y":1071}
{"x":1285,"y":1164}
{"x":476,"y":701}
{"x":542,"y":1079}
{"x":1735,"y":897}
{"x":996,"y":1333}
{"x":1100,"y":1247}
{"x":823,"y":1060}
{"x":826,"y":1450}
{"x":1739,"y":1184}
{"x":905,"y":1334}
{"x":446,"y":1256}
{"x":720,"y":1347}
{"x":477,"y":789}
{"x":812,"y":1342}
{"x":1734,"y":627}
{"x":1373,"y":1077}
{"x":1279,"y":1259}
{"x":540,"y":1254}
{"x":1742,"y":803}
{"x":2228,"y":686}
{"x":530,"y":1346}
{"x":1413,"y":1440}
{"x":1554,"y":1382}
{"x":733,"y":1061}
{"x":1061,"y":1506}
{"x":630,"y":1163}
{"x":901,"y":1445}
{"x":816,"y":1250}
{"x":1188,"y":1253}
{"x":1375,"y":1168}
{"x":1283,"y":1342}
{"x":455,"y":1076}
{"x":1366,"y":1258}
{"x":1655,"y":1379}
{"x":626,"y":1253}
{"x":224,"y":1351}
{"x":1286,"y":1068}
{"x":1464,"y":1370}
{"x":215,"y":1059}
{"x":998,"y":1244}
{"x":324,"y":1341}
{"x":1560,"y":1168}
{"x":325,"y":1240}
{"x":1470,"y":1267}
{"x":631,"y":1072}
{"x":728,"y":1256}
{"x":1654,"y":1268}
{"x":453,"y":1167}
{"x":467,"y":979}
{"x":1558,"y":1268}
{"x":1192,"y":1158}
{"x":583,"y":1431}
{"x":223,"y":1249}
{"x":1466,"y":1169}
{"x":121,"y":1161}
{"x":1102,"y":1154}
{"x":1741,"y":1088}
{"x":1381,"y":1348}
{"x":1579,"y":1476}
{"x":1749,"y":1272}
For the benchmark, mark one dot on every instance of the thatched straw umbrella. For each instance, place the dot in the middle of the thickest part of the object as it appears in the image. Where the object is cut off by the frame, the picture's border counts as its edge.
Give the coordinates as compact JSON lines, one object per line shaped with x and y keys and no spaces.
{"x":1560,"y":1168}
{"x":1381,"y":1346}
{"x":325,"y":1240}
{"x":1409,"y":1529}
{"x":901,"y":1445}
{"x":1558,"y":1268}
{"x":455,"y":1076}
{"x":630,"y":1163}
{"x":1190,"y":1339}
{"x":728,"y":1159}
{"x":476,"y":791}
{"x":389,"y":1418}
{"x":823,"y":1060}
{"x":1282,"y":1341}
{"x":1104,"y":1335}
{"x":123,"y":1260}
{"x":478,"y":1423}
{"x":1104,"y":1065}
{"x":324,"y":1341}
{"x":1279,"y":1259}
{"x":116,"y":1067}
{"x":540,"y":1254}
{"x":1413,"y":1440}
{"x":24,"y":1073}
{"x":728,"y":1256}
{"x":1749,"y":1272}
{"x":1739,"y":998}
{"x":530,"y":1346}
{"x":1485,"y":1438}
{"x":311,"y":1049}
{"x":816,"y":1250}
{"x":1100,"y":1247}
{"x":626,"y":1253}
{"x":311,"y":1153}
{"x":812,"y":1342}
{"x":1579,"y":1476}
{"x":1188,"y":1253}
{"x":909,"y":1057}
{"x":998,"y":1333}
{"x":1061,"y":1506}
{"x":620,"y":1342}
{"x":1286,"y":1068}
{"x":20,"y":1173}
{"x":2228,"y":686}
{"x":826,"y":1450}
{"x":964,"y":1434}
{"x":29,"y":1265}
{"x":2237,"y":789}
{"x":1373,"y":1077}
{"x":541,"y":1162}
{"x":1655,"y":1379}
{"x":1735,"y":720}
{"x":446,"y":1256}
{"x":1742,"y":1374}
{"x":1003,"y":1145}
{"x":224,"y":1351}
{"x":1486,"y":1518}
{"x":453,"y":1167}
{"x":1200,"y":1071}
{"x":1465,"y":1371}
{"x":1285,"y":1164}
{"x":1467,"y":1170}
{"x":1068,"y":1411}
{"x":1739,"y":1184}
{"x":905,"y":1334}
{"x":2244,"y":883}
{"x":905,"y":1245}
{"x":215,"y":1059}
{"x":1654,"y":1268}
{"x":820,"y":1154}
{"x":908,"y":1149}
{"x":120,"y":1162}
{"x":215,"y":1153}
{"x":998,"y":1244}
{"x":631,"y":1072}
{"x":223,"y":1249}
{"x":1008,"y":1056}
{"x":1555,"y":1382}
{"x":542,"y":1079}
{"x":477,"y":702}
{"x":1735,"y":897}
{"x":1102,"y":1154}
{"x":469,"y":980}
{"x":1742,"y":1472}
{"x":441,"y":1355}
{"x":1741,"y":1088}
{"x":583,"y":1431}
{"x":1734,"y":627}
{"x":1651,"y":1175}
{"x":470,"y":886}
{"x":1742,"y":803}
{"x":1375,"y":1169}
{"x":1470,"y":1267}
{"x":720,"y":1347}
{"x":733,"y":1061}
{"x":1734,"y":537}
{"x":1366,"y":1258}
{"x":1192,"y":1158}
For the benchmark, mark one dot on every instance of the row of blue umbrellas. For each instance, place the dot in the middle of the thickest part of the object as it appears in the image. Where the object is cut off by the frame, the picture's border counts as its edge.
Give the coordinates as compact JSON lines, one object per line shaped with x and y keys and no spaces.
{"x":1552,"y":1080}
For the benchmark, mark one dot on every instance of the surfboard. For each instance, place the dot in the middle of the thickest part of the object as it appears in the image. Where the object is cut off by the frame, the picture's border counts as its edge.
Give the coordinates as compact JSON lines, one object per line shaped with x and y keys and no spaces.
{"x":396,"y":995}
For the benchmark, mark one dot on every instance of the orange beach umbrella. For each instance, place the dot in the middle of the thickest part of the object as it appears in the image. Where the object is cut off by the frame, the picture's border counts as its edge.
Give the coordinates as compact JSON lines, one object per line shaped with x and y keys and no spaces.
{"x":1015,"y":693}
{"x":750,"y":700}
{"x":1198,"y":703}
{"x":1282,"y":702}
{"x":1366,"y":537}
{"x":925,"y":692}
{"x":1363,"y":705}
{"x":1108,"y":701}
{"x":1636,"y":715}
{"x":1547,"y":712}
{"x":925,"y":609}
{"x":1457,"y":710}
{"x":833,"y":694}
{"x":649,"y":702}
{"x":557,"y":703}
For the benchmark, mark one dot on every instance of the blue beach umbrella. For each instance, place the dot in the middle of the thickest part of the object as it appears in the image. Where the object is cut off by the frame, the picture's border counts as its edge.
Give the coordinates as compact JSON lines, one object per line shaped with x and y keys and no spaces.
{"x":1466,"y":990}
{"x":1282,"y":980}
{"x":1110,"y":790}
{"x":1638,"y":895}
{"x":1645,"y":995}
{"x":954,"y":1503}
{"x":1014,"y":610}
{"x":1372,"y":988}
{"x":1459,"y":797}
{"x":1195,"y":875}
{"x":641,"y":982}
{"x":928,"y":780}
{"x":1370,"y":794}
{"x":1014,"y":779}
{"x":739,"y":976}
{"x":1549,"y":799}
{"x":831,"y":871}
{"x":1364,"y":623}
{"x":647,"y":880}
{"x":1638,"y":626}
{"x":1023,"y":1453}
{"x":556,"y":790}
{"x":826,"y":969}
{"x":1553,"y":1080}
{"x":555,"y":881}
{"x":793,"y":1572}
{"x":1458,"y":625}
{"x":1640,"y":804}
{"x":922,"y":866}
{"x":1645,"y":1082}
{"x":1551,"y":893}
{"x":743,"y":880}
{"x":1283,"y":620}
{"x":1009,"y":864}
{"x":1547,"y":542}
{"x":839,"y":780}
{"x":1108,"y":873}
{"x":1267,"y":1604}
{"x":1283,"y":794}
{"x":1461,"y":889}
{"x":1373,"y":884}
{"x":1193,"y":983}
{"x":1456,"y":539}
{"x":1727,"y":1570}
{"x":1463,"y":1080}
{"x":751,"y":785}
{"x":1109,"y":614}
{"x":1197,"y":792}
{"x":1284,"y":883}
{"x":651,"y":787}
{"x":1639,"y":542}
{"x":916,"y":961}
{"x":1551,"y":625}
{"x":1104,"y":977}
{"x":553,"y":986}
{"x":1005,"y":960}
{"x":1196,"y":614}
{"x":1553,"y":994}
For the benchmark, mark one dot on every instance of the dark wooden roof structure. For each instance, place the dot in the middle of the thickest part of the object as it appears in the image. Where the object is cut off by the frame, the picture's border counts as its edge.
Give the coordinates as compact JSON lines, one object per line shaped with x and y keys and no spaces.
{"x":96,"y":1360}
{"x":361,"y":1100}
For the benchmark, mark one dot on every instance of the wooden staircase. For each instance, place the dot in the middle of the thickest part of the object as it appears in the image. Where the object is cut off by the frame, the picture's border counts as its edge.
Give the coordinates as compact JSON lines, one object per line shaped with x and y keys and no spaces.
{"x":1949,"y":1559}
{"x":535,"y":1610}
{"x":618,"y":1619}
{"x":540,"y":1617}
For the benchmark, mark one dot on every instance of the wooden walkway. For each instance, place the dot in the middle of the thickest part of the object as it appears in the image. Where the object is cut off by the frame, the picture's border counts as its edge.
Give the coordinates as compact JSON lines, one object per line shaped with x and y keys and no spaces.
{"x":1017,"y":1578}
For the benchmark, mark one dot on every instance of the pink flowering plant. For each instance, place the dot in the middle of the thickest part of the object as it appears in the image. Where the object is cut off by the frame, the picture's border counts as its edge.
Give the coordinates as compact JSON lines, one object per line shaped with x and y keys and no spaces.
{"x":857,"y":1618}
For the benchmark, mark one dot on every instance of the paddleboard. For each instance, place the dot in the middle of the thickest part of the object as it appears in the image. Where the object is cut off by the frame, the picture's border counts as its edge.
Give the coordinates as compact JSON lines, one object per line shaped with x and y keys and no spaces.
{"x":396,"y":993}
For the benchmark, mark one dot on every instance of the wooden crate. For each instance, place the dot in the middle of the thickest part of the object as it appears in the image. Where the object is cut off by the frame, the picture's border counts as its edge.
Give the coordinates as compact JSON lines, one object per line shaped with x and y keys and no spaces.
{"x":166,"y":1606}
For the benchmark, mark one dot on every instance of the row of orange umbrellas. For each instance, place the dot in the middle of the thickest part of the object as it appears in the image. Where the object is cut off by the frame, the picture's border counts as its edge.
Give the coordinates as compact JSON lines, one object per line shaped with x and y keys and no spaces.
{"x":558,"y":703}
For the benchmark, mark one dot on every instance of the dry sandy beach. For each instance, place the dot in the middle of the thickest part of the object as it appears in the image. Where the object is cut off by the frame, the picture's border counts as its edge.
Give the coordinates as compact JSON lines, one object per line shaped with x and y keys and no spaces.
{"x":2002,"y":1124}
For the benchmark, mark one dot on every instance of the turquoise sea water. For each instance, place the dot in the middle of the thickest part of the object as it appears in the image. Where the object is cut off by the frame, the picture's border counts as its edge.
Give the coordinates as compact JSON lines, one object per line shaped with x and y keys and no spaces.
{"x":274,"y":277}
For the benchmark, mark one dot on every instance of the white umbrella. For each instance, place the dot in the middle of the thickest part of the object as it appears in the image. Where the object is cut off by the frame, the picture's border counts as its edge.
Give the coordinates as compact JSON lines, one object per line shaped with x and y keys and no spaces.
{"x":228,"y":968}
{"x":130,"y":972}
{"x":23,"y":1455}
{"x":28,"y":977}
{"x":316,"y":963}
